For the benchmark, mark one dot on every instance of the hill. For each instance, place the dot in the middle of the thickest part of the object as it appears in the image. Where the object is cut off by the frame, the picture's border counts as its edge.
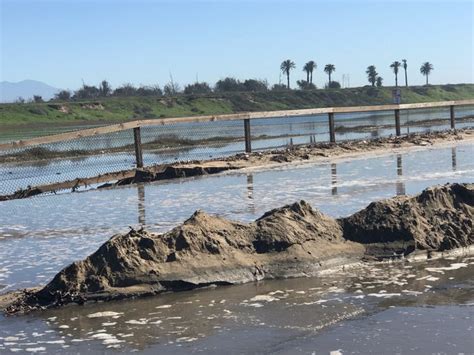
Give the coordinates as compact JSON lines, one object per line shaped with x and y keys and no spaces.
{"x":10,"y":92}
{"x":120,"y":109}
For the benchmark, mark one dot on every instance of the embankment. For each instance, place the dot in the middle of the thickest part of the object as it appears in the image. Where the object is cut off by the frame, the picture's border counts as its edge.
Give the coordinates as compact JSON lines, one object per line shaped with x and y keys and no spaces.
{"x":121,"y":109}
{"x":291,"y":241}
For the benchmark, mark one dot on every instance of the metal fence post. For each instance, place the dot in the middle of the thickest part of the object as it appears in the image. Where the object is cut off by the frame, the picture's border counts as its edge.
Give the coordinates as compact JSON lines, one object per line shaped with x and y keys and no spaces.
{"x":332,"y":133}
{"x":138,"y":147}
{"x":453,"y":118}
{"x":397,"y":122}
{"x":248,"y":139}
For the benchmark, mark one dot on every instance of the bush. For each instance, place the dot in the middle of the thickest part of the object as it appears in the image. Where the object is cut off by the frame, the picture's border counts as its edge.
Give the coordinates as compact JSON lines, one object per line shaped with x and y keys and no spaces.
{"x":279,"y":87}
{"x":149,"y":91}
{"x":38,"y":111}
{"x":255,"y":85}
{"x":63,"y":95}
{"x":197,"y":88}
{"x":37,"y":98}
{"x":304,"y":85}
{"x":333,"y":85}
{"x":87,"y":92}
{"x":229,"y":84}
{"x":125,"y":90}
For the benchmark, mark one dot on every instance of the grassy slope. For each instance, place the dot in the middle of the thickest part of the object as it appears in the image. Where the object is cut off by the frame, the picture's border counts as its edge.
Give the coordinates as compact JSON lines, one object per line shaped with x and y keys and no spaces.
{"x":116,"y":109}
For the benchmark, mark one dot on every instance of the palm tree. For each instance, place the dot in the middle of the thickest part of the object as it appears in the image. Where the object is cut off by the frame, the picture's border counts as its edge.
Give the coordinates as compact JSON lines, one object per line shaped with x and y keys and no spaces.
{"x":371,"y":74}
{"x":395,"y":65}
{"x":329,"y":69}
{"x":405,"y":66}
{"x":285,"y":67}
{"x":426,"y":69}
{"x":308,"y":68}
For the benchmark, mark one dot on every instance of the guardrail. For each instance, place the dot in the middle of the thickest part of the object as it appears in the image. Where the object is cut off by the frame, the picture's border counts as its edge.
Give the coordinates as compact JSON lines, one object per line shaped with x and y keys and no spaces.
{"x":246,"y":117}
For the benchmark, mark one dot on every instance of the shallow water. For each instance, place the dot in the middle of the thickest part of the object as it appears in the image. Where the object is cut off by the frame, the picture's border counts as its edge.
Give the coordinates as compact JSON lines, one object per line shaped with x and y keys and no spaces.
{"x":279,"y":132}
{"x":39,"y":236}
{"x":405,"y":307}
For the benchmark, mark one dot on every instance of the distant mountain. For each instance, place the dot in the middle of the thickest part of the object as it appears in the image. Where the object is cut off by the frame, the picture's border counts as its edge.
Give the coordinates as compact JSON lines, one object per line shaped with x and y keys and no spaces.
{"x":9,"y":92}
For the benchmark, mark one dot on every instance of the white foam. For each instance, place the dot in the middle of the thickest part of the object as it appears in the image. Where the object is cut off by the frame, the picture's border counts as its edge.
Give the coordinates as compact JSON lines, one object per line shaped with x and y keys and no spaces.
{"x":104,"y":314}
{"x":265,"y":298}
{"x":164,"y":306}
{"x":386,"y":295}
{"x":139,"y":322}
{"x":108,"y":324}
{"x":112,"y":341}
{"x":453,"y":266}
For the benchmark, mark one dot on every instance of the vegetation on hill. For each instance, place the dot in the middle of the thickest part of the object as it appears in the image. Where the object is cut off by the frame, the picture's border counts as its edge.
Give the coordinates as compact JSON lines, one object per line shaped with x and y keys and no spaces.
{"x":124,"y":108}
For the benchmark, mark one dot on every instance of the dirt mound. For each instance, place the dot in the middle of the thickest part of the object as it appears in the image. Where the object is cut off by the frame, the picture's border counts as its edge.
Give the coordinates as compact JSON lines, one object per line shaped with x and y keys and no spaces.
{"x":290,"y":241}
{"x":439,"y":218}
{"x":204,"y":250}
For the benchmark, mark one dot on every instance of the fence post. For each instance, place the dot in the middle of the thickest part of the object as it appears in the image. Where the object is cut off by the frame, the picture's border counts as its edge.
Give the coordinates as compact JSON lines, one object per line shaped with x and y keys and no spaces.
{"x":248,"y":139}
{"x":397,"y":122}
{"x":332,"y":133}
{"x":138,"y":147}
{"x":453,"y":118}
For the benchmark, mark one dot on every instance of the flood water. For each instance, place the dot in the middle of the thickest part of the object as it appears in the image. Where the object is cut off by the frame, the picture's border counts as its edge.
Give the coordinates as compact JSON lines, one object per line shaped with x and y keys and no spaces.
{"x":384,"y":308}
{"x":268,"y":133}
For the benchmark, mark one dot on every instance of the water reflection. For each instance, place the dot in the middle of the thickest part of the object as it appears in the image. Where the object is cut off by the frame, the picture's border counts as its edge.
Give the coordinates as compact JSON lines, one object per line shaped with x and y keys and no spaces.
{"x":400,"y":185}
{"x":333,"y":179}
{"x":141,"y":204}
{"x":453,"y":158}
{"x":250,"y":199}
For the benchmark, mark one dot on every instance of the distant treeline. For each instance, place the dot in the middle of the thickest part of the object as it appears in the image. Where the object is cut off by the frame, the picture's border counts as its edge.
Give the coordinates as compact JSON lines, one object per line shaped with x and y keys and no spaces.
{"x":228,"y":84}
{"x":171,"y":89}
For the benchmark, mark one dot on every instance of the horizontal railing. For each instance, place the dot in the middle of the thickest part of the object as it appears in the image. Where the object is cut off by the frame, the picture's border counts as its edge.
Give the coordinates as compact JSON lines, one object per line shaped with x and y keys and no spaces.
{"x":246,"y":116}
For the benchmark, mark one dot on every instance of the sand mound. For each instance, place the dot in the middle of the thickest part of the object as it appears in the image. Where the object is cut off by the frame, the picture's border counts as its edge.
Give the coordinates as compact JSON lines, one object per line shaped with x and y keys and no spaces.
{"x":439,"y":218}
{"x":291,"y":241}
{"x":204,"y":250}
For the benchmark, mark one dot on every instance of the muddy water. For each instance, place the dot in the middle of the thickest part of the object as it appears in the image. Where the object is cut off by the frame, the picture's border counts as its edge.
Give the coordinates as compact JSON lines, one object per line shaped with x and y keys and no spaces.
{"x":357,"y":310}
{"x":381,"y":308}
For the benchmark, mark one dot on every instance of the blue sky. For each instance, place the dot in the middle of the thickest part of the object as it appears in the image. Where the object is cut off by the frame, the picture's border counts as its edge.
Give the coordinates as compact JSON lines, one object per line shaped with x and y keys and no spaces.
{"x":143,"y":42}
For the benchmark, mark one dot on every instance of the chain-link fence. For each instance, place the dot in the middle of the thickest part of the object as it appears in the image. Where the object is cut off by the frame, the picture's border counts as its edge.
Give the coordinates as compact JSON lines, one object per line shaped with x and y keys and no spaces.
{"x":92,"y":156}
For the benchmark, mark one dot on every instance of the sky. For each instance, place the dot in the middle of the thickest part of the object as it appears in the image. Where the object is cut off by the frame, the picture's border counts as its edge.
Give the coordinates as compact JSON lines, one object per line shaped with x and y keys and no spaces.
{"x":66,"y":42}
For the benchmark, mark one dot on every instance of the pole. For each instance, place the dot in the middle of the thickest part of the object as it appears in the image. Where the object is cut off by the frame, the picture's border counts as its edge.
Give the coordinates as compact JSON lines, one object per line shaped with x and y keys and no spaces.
{"x":332,"y":133}
{"x":453,"y":118}
{"x":138,"y":147}
{"x":248,"y":139}
{"x":397,"y":122}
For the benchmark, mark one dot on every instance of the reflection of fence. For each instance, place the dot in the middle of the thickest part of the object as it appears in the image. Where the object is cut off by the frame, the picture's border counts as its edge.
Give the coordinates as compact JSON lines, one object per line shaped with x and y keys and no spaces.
{"x":106,"y":153}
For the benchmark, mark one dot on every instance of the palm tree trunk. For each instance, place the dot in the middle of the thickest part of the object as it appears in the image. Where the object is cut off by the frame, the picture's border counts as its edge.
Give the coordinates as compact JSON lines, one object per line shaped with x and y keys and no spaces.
{"x":288,"y":80}
{"x":307,"y":77}
{"x":406,"y":78}
{"x":396,"y":80}
{"x":329,"y":78}
{"x":311,"y":77}
{"x":426,"y":79}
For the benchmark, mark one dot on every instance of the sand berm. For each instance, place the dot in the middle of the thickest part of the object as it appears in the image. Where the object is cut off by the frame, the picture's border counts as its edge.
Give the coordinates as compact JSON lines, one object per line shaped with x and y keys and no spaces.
{"x":292,"y":241}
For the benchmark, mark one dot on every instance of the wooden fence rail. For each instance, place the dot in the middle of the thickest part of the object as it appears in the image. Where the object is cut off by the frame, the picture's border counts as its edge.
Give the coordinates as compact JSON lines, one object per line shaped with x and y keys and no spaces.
{"x":246,"y":117}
